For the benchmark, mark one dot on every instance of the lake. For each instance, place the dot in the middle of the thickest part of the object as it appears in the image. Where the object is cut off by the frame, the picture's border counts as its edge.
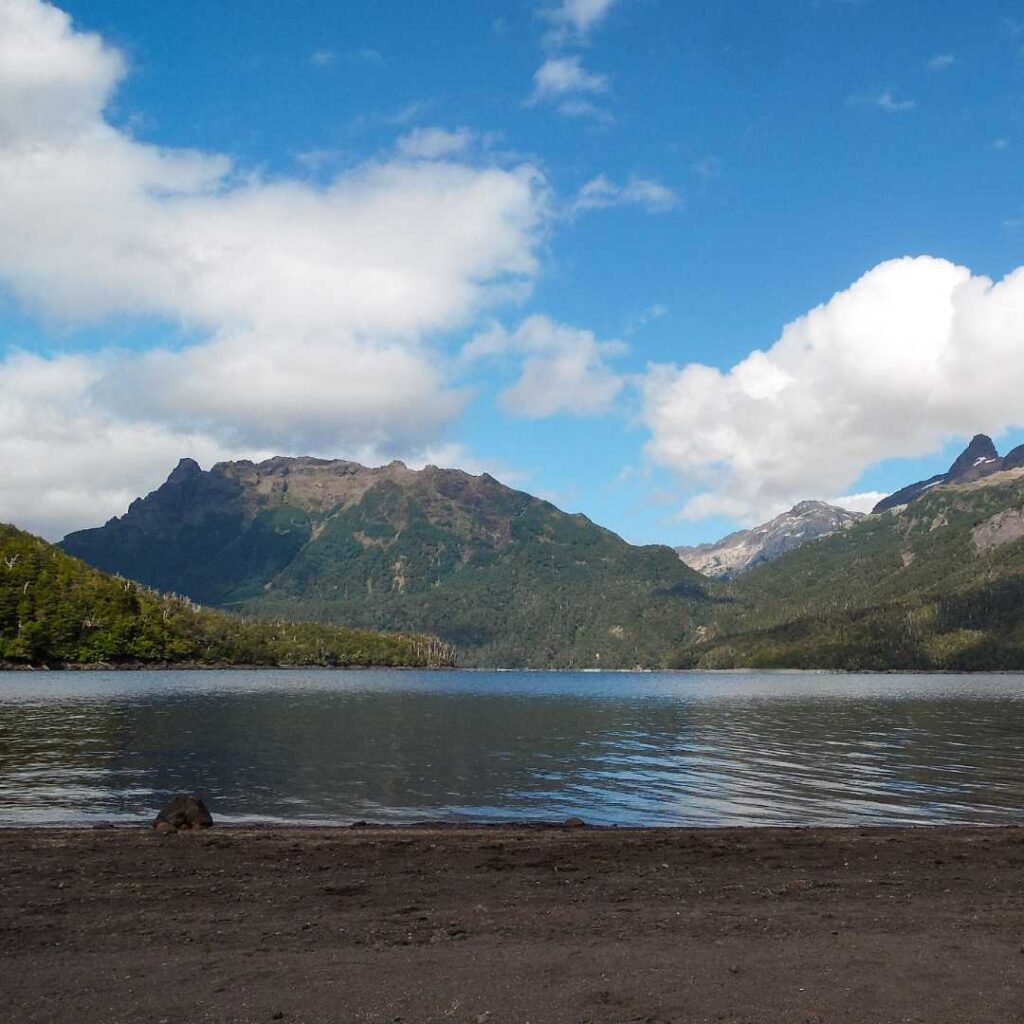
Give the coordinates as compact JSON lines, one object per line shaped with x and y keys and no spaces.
{"x":611,"y":748}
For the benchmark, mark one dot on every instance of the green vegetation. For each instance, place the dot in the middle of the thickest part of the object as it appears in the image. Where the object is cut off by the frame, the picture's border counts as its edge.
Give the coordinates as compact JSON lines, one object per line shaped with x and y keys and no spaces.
{"x":509,"y":579}
{"x":907,"y":589}
{"x":56,"y":610}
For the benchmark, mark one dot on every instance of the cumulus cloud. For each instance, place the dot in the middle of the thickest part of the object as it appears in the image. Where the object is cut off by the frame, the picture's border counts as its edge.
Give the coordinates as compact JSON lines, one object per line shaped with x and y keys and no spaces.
{"x":435,"y":143}
{"x":561,"y":76}
{"x":582,"y":15}
{"x":314,"y":305}
{"x":600,"y":193}
{"x":862,"y":501}
{"x":564,"y":369}
{"x":917,"y":352}
{"x":572,"y":20}
{"x":63,"y":455}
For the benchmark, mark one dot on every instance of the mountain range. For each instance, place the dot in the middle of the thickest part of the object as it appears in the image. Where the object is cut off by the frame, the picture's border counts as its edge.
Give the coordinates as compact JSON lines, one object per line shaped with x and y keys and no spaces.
{"x":507,"y":578}
{"x":933,"y":579}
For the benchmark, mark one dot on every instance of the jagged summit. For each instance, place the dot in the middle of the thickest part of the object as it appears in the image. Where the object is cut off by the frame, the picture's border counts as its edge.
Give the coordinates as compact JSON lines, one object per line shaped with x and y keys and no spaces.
{"x":978,"y":460}
{"x":186,"y":469}
{"x":507,"y":577}
{"x":980,"y":452}
{"x":736,"y":554}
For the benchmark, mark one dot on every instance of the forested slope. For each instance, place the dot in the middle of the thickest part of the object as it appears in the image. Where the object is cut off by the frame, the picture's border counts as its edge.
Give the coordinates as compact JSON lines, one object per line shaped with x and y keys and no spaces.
{"x":54,"y":609}
{"x":936,"y":584}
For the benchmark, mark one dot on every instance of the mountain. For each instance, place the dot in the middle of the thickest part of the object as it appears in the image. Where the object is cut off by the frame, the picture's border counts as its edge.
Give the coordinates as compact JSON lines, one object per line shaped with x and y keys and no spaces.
{"x":739,"y":552}
{"x":508,"y":578}
{"x":54,"y":609}
{"x":937,"y":583}
{"x":978,"y":460}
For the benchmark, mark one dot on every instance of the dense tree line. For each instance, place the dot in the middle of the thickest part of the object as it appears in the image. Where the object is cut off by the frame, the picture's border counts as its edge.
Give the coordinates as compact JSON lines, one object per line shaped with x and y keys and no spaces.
{"x":54,"y":609}
{"x":910,"y":589}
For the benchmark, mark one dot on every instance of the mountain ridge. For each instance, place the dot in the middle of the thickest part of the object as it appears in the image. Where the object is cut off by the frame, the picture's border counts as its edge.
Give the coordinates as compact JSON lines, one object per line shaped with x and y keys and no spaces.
{"x":742,"y":550}
{"x":507,"y":577}
{"x":978,"y":460}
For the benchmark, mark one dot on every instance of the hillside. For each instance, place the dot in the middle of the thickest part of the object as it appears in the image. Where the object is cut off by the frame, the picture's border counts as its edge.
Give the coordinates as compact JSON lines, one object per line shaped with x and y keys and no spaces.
{"x":934,"y":584}
{"x":739,"y":552}
{"x":56,"y":610}
{"x":508,"y":578}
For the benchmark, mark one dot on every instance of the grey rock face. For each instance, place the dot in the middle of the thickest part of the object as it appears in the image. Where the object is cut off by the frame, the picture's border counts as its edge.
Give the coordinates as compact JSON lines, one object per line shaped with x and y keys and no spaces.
{"x":977,"y":461}
{"x":739,"y":552}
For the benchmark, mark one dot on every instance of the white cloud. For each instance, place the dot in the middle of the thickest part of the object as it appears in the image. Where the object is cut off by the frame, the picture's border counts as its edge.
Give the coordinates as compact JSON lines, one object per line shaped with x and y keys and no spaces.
{"x":585,"y":110}
{"x":600,"y":193}
{"x":314,"y":305}
{"x":453,"y":455}
{"x":66,"y":461}
{"x":941,"y":62}
{"x":1000,"y":144}
{"x":863,"y":501}
{"x":435,"y":143}
{"x":917,"y":352}
{"x":580,"y":15}
{"x":564,"y":369}
{"x":884,"y":100}
{"x":322,"y":58}
{"x":559,"y":77}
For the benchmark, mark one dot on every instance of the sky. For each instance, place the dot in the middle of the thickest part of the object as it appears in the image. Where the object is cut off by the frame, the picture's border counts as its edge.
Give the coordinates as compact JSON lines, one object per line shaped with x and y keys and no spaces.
{"x":675,"y":266}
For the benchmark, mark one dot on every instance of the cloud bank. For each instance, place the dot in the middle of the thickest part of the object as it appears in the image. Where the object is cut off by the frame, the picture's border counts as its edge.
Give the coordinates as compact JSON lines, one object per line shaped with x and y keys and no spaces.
{"x":915,"y":353}
{"x":564,"y":369}
{"x":314,"y":306}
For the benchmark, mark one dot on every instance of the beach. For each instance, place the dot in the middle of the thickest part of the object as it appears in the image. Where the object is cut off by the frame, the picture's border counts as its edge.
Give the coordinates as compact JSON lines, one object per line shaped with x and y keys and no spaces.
{"x":493,"y":924}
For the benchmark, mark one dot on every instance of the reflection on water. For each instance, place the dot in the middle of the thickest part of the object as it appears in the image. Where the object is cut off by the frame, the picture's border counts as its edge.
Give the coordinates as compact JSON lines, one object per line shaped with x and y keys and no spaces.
{"x":697,"y":749}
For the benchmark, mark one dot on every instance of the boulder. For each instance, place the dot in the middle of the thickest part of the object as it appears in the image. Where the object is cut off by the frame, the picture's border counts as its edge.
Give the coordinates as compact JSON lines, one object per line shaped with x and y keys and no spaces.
{"x":183,"y":813}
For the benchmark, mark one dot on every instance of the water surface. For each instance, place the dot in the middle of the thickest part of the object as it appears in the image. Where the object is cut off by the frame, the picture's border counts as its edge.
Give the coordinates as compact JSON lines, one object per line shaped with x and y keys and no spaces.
{"x":612,"y":748}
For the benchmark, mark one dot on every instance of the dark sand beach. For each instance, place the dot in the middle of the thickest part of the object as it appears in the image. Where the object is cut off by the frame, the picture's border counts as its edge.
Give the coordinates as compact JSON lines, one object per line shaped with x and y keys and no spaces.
{"x":513,"y":924}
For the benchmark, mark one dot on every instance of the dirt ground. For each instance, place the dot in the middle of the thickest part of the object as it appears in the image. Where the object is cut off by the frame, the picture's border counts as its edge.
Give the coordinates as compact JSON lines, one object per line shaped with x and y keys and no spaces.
{"x":512,"y":924}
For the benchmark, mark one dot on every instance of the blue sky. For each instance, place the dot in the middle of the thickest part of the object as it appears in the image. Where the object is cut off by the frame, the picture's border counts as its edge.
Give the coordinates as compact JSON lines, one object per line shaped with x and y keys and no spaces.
{"x":615,"y":192}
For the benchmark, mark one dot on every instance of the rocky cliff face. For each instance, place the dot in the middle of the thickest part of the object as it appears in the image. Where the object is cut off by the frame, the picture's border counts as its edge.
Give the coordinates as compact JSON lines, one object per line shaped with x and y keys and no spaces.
{"x":508,"y":578}
{"x":739,"y":552}
{"x":978,"y":460}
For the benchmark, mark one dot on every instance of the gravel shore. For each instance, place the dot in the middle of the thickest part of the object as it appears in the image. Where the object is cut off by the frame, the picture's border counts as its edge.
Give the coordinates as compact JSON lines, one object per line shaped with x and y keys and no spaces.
{"x":495,"y":924}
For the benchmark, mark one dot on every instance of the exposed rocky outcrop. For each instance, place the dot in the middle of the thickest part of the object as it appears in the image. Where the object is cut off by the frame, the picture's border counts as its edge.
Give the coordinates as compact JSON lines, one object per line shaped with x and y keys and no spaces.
{"x":978,"y":460}
{"x":739,"y":552}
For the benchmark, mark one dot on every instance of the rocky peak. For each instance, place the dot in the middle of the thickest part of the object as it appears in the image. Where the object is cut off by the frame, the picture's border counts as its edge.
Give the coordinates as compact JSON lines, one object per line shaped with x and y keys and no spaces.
{"x":978,"y":460}
{"x":979,"y":452}
{"x":736,"y":554}
{"x":186,"y":469}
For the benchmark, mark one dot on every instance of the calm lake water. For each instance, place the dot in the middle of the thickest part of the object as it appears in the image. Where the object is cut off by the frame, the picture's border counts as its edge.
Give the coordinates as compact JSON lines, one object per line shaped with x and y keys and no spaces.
{"x":613,"y":748}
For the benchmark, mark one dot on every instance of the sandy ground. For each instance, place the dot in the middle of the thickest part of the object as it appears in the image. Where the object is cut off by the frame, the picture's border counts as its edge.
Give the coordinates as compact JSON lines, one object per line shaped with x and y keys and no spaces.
{"x":512,"y":924}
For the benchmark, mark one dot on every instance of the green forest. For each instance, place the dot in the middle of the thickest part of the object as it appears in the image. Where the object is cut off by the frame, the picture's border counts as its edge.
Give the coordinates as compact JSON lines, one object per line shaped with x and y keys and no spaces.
{"x":914,"y":589}
{"x":56,"y":610}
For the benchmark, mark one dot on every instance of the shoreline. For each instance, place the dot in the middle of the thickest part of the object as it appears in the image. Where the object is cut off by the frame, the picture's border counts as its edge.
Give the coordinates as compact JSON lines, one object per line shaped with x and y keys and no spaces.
{"x":237,"y":667}
{"x":529,"y":922}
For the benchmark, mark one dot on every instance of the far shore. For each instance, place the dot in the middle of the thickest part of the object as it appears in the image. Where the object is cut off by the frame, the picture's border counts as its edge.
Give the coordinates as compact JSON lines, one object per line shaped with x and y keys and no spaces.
{"x":142,"y":666}
{"x":488,"y":924}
